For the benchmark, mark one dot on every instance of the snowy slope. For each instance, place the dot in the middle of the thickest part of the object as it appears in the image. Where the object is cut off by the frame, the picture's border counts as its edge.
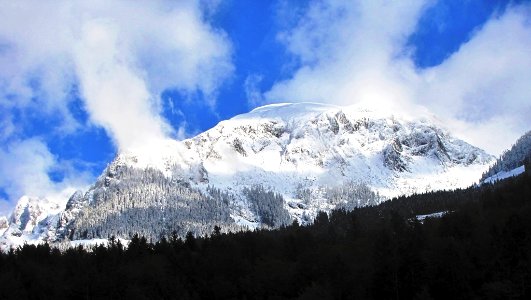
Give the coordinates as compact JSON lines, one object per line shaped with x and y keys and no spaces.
{"x":313,"y":155}
{"x":33,"y":219}
{"x":504,"y":175}
{"x":279,"y":144}
{"x":328,"y":145}
{"x":518,"y":155}
{"x":421,"y":218}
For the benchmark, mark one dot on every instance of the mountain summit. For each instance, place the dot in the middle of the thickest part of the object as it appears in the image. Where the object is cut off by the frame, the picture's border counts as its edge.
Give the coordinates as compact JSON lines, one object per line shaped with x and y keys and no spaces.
{"x":265,"y":168}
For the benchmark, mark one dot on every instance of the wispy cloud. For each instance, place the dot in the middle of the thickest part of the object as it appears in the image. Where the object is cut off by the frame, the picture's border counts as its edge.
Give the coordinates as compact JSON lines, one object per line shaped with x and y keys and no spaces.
{"x":356,"y":52}
{"x":252,"y":90}
{"x":120,"y":55}
{"x":25,"y":170}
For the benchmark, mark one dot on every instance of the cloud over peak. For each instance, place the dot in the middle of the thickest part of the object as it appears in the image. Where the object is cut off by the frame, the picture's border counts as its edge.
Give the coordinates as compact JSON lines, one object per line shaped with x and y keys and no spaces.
{"x":358,"y":51}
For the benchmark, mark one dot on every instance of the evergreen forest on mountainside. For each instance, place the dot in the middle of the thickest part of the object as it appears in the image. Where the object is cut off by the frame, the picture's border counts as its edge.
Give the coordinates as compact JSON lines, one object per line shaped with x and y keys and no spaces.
{"x":519,"y":154}
{"x":479,"y":248}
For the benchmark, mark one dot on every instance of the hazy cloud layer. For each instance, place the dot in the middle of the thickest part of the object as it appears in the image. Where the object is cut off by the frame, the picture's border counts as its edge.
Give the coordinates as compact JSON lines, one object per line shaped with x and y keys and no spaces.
{"x":117,"y":56}
{"x":355,"y":52}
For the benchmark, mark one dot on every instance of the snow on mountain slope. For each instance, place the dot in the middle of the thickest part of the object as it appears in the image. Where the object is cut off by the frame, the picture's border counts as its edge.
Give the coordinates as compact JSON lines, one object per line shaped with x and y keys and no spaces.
{"x":518,"y":155}
{"x":310,"y":156}
{"x":504,"y":175}
{"x":278,"y":145}
{"x":32,"y":219}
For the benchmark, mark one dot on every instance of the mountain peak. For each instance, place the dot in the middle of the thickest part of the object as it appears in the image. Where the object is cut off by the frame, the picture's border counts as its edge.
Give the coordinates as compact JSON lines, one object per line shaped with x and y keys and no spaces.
{"x":264,"y":168}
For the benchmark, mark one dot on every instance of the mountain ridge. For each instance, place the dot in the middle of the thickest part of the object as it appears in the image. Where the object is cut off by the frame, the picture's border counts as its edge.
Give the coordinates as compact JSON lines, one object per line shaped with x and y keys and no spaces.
{"x":297,"y":159}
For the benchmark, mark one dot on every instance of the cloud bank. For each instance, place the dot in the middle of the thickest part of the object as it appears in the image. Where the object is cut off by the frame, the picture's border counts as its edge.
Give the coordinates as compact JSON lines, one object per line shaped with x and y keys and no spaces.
{"x":357,"y":52}
{"x":116,"y":56}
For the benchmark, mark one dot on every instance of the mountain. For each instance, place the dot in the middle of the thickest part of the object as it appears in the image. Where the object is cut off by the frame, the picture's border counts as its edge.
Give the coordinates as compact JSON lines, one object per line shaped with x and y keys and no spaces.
{"x":511,"y":161}
{"x":266,"y":168}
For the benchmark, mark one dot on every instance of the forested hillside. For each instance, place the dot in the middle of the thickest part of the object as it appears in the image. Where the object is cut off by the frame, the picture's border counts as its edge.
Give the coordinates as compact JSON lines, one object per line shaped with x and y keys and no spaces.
{"x":480,"y":248}
{"x":519,"y":154}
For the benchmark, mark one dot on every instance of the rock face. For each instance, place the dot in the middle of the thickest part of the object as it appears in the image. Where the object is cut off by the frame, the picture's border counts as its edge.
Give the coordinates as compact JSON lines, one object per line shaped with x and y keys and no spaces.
{"x":265,"y":168}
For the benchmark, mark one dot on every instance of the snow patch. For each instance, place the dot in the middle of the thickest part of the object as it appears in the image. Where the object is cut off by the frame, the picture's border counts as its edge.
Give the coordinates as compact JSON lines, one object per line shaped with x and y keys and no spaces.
{"x":245,"y":223}
{"x":421,"y":218}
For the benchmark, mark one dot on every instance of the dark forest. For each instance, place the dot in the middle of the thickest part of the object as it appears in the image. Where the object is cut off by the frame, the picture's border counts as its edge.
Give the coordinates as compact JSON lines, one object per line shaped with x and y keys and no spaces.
{"x":480,"y":249}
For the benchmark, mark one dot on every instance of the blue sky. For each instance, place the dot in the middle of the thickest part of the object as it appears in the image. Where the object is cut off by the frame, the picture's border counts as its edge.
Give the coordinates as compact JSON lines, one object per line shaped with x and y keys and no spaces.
{"x":79,"y":81}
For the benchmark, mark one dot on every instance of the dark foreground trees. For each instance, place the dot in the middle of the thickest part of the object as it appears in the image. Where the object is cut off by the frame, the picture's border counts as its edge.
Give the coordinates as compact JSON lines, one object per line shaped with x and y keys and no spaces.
{"x":480,"y":249}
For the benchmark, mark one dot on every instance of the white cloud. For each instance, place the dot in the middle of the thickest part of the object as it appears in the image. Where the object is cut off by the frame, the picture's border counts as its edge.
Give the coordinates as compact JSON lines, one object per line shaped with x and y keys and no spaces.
{"x":24,"y":167}
{"x":252,"y":90}
{"x":116,"y":96}
{"x":349,"y":51}
{"x":25,"y":170}
{"x":120,"y":54}
{"x":485,"y":87}
{"x":355,"y":52}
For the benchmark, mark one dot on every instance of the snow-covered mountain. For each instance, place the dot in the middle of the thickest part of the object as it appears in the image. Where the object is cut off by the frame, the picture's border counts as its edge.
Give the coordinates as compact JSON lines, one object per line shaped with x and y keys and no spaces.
{"x":265,"y":168}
